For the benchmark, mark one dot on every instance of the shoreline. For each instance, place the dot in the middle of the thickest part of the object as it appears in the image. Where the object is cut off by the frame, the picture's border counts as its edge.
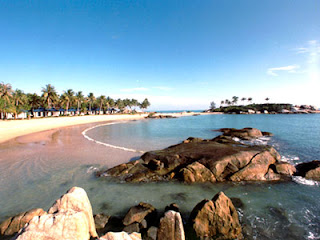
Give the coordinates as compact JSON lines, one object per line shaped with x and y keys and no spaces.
{"x":11,"y":129}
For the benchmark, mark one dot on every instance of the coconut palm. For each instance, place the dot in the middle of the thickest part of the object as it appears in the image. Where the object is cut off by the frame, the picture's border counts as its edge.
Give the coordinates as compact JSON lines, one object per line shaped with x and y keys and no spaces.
{"x":91,"y":98}
{"x":267,"y":99}
{"x":145,"y":104}
{"x":5,"y":97}
{"x":221,"y":103}
{"x":243,"y":99}
{"x":19,"y":98}
{"x":79,"y":99}
{"x":34,"y":101}
{"x":49,"y":95}
{"x":250,"y":99}
{"x":102,"y":101}
{"x":235,"y":99}
{"x":67,"y":98}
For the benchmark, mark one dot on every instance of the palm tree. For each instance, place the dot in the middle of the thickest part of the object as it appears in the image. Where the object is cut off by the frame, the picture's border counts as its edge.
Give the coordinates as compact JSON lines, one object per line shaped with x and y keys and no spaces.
{"x":34,"y":101}
{"x":18,"y":97}
{"x":79,"y":99}
{"x":91,"y":99}
{"x":243,"y":99}
{"x":5,"y":96}
{"x":110,"y":103}
{"x":145,"y":104}
{"x":267,"y":99}
{"x":101,"y":100}
{"x":67,"y":98}
{"x":49,"y":94}
{"x":250,"y":99}
{"x":221,"y":103}
{"x":235,"y":99}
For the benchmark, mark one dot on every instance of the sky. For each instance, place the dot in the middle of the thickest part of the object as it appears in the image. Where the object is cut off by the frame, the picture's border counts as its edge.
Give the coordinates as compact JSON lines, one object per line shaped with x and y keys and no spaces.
{"x":180,"y":54}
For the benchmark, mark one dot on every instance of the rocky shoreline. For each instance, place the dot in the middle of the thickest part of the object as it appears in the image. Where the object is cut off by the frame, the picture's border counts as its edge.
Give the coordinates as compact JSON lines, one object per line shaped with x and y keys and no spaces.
{"x":224,"y":158}
{"x":71,"y":217}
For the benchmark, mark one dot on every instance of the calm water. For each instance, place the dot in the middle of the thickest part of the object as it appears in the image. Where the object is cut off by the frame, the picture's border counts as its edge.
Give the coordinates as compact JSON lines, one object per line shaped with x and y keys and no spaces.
{"x":273,"y":211}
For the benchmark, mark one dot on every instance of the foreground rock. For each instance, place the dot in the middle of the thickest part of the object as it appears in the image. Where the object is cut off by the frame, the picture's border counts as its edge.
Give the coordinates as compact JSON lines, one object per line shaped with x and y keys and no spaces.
{"x":69,"y":218}
{"x":121,"y":236}
{"x":216,"y":160}
{"x":309,"y":170}
{"x":216,"y":219}
{"x":12,"y":225}
{"x":171,"y":227}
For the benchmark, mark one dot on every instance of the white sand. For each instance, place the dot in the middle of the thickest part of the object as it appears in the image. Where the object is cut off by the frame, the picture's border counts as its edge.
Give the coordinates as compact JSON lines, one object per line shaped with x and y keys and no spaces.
{"x":10,"y":129}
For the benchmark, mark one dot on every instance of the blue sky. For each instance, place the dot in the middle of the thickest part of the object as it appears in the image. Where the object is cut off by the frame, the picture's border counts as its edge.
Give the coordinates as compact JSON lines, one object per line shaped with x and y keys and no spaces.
{"x":180,"y":54}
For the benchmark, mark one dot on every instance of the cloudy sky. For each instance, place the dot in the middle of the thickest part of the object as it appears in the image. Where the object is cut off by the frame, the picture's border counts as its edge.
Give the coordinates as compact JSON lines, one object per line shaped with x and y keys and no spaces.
{"x":179,"y":54}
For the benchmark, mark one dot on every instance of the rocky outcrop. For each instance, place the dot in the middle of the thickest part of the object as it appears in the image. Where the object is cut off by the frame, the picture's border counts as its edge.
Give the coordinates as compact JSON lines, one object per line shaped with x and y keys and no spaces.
{"x":171,"y":227}
{"x":121,"y":236}
{"x":70,"y":217}
{"x":309,"y":170}
{"x":12,"y":225}
{"x":216,"y":219}
{"x":216,"y":160}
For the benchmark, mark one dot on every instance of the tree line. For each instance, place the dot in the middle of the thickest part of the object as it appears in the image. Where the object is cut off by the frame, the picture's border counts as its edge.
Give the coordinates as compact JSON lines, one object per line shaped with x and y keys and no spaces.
{"x":16,"y":101}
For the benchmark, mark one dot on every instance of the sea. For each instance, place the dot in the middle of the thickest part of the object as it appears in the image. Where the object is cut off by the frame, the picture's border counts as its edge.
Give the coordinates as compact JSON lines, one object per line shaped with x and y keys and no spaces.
{"x":279,"y":210}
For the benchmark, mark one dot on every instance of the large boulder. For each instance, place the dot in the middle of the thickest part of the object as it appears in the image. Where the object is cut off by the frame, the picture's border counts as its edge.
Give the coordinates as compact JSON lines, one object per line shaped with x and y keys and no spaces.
{"x":12,"y":225}
{"x":171,"y":227}
{"x":70,"y":217}
{"x":216,"y":160}
{"x":121,"y":236}
{"x":216,"y":218}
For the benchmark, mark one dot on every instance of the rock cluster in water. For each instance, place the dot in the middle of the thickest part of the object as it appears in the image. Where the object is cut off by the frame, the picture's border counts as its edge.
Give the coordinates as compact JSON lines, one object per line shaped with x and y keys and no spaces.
{"x":223,"y":158}
{"x":71,"y":218}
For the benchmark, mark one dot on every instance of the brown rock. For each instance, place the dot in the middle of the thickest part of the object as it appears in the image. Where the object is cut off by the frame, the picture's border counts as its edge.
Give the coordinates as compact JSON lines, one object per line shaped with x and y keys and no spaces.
{"x":152,"y":233}
{"x":138,"y":213}
{"x":285,"y":168}
{"x":216,"y":218}
{"x":314,"y":174}
{"x":304,"y":168}
{"x":171,"y":227}
{"x":245,"y":133}
{"x":101,"y":220}
{"x":133,"y":227}
{"x":121,"y":236}
{"x":14,"y":224}
{"x":196,"y":172}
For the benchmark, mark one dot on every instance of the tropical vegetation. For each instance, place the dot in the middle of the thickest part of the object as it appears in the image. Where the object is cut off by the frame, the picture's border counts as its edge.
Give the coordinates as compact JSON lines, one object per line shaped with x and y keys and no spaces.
{"x":14,"y":102}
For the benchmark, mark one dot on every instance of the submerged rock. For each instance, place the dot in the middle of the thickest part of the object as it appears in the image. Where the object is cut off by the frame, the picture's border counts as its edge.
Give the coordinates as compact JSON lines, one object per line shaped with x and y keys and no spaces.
{"x":216,"y":218}
{"x":217,"y":160}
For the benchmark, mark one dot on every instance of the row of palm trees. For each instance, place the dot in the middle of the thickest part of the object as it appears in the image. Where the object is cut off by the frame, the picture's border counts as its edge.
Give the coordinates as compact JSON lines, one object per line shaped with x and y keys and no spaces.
{"x":235,"y":99}
{"x":16,"y":101}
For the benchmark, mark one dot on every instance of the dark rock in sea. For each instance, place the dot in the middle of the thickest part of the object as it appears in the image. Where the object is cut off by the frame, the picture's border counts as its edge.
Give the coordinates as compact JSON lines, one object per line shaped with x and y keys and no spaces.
{"x":101,"y":220}
{"x":173,"y":207}
{"x":237,"y":202}
{"x":140,"y":212}
{"x":245,"y":133}
{"x":159,"y":116}
{"x":216,"y":219}
{"x":309,"y":170}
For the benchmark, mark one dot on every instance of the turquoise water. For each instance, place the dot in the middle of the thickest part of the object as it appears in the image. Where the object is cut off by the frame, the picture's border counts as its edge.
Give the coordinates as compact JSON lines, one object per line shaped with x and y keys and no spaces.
{"x":34,"y":175}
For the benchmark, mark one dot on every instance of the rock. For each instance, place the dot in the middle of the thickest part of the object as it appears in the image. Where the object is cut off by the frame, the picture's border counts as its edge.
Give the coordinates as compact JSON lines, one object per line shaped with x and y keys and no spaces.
{"x":173,"y":207}
{"x":237,"y":202}
{"x":70,"y":217}
{"x":285,"y":168}
{"x":245,"y":133}
{"x":309,"y":170}
{"x":12,"y":225}
{"x":314,"y":174}
{"x":133,"y":227}
{"x":196,"y":172}
{"x":216,"y":160}
{"x":171,"y":227}
{"x":121,"y":236}
{"x":216,"y":218}
{"x":137,"y":213}
{"x":152,"y":233}
{"x":101,"y":220}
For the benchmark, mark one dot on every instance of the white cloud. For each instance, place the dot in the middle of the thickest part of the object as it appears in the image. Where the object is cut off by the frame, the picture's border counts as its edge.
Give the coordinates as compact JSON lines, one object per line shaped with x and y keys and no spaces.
{"x":290,"y":69}
{"x":134,"y":89}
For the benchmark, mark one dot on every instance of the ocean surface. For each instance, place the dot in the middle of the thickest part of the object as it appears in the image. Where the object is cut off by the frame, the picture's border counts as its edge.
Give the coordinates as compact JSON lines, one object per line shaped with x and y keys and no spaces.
{"x":36,"y":177}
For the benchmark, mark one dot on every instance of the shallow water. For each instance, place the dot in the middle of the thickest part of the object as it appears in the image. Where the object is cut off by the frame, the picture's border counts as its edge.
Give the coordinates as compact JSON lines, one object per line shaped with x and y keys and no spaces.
{"x":34,"y":175}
